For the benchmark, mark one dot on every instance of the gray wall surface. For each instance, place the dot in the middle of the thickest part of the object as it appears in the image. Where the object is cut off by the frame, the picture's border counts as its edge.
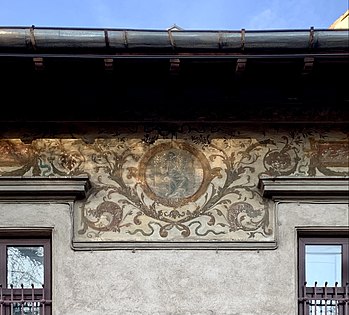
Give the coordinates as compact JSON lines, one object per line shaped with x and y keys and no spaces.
{"x":169,"y":282}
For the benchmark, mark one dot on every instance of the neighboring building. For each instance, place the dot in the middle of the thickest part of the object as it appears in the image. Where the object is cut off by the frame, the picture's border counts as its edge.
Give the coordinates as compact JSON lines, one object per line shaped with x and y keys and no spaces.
{"x":342,"y":22}
{"x":174,"y":172}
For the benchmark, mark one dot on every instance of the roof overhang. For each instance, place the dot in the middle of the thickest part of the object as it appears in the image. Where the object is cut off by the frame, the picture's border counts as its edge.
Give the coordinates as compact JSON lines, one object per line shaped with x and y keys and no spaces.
{"x":111,"y":76}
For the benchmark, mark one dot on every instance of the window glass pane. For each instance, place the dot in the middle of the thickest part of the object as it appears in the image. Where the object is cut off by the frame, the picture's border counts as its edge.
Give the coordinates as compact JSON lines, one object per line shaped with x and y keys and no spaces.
{"x":323,"y":263}
{"x":25,"y":265}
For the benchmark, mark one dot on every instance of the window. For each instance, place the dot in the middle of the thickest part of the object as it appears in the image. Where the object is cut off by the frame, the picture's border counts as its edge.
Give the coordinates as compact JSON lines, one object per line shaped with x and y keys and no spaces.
{"x":25,"y":275}
{"x":323,"y":266}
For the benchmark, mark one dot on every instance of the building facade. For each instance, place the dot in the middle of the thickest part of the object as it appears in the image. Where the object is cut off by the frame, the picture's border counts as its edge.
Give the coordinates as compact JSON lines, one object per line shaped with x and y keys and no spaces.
{"x":174,"y":172}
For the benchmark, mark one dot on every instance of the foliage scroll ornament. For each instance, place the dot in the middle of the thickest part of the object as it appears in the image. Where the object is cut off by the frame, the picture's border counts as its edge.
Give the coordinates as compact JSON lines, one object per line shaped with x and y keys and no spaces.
{"x":203,"y":186}
{"x":174,"y":185}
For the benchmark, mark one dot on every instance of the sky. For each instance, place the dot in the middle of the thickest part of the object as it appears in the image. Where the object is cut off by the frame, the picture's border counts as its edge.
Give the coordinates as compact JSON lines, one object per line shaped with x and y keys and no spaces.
{"x":162,"y":14}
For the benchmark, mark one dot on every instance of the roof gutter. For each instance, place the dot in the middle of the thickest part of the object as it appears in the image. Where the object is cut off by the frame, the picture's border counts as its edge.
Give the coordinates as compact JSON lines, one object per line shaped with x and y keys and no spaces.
{"x":45,"y":41}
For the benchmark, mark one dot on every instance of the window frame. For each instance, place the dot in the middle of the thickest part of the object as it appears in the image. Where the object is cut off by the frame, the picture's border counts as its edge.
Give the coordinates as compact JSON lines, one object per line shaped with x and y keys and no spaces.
{"x":27,"y":238}
{"x":335,"y":237}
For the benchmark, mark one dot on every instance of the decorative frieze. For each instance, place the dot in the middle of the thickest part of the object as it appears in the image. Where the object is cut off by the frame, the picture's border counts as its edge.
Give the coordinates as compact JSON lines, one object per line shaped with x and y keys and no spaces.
{"x":192,"y":189}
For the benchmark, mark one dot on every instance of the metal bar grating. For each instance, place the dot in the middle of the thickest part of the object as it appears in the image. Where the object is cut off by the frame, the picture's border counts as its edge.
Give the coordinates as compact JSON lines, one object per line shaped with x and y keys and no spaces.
{"x":324,"y":300}
{"x":24,"y":301}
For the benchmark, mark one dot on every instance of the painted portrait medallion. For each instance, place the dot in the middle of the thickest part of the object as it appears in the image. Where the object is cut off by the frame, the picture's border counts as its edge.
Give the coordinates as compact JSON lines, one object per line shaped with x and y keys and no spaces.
{"x":174,"y":174}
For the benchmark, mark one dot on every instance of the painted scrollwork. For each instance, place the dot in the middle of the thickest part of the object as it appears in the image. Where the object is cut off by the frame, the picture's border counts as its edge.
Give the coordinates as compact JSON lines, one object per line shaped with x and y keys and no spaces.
{"x":185,"y":185}
{"x":175,"y":186}
{"x":282,"y":161}
{"x":329,"y":157}
{"x":17,"y":158}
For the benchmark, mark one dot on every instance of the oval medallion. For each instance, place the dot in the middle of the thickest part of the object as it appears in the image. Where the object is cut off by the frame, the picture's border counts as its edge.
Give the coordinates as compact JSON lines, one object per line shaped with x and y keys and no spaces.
{"x":174,"y":173}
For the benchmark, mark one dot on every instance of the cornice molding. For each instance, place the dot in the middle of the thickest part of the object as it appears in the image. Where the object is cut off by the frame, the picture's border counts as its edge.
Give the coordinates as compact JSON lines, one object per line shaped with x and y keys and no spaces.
{"x":297,"y":187}
{"x":95,"y":246}
{"x":67,"y":187}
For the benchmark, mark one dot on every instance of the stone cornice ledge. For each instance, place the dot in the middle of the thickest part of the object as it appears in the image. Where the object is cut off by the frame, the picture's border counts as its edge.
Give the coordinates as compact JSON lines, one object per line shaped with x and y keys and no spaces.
{"x":65,"y":187}
{"x":298,"y":187}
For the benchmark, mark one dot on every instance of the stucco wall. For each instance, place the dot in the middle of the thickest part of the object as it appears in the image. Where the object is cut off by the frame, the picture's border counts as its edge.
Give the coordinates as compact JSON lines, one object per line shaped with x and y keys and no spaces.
{"x":183,"y":282}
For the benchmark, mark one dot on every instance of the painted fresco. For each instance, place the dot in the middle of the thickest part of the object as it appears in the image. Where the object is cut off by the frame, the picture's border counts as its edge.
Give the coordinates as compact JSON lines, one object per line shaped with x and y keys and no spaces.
{"x":194,"y":186}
